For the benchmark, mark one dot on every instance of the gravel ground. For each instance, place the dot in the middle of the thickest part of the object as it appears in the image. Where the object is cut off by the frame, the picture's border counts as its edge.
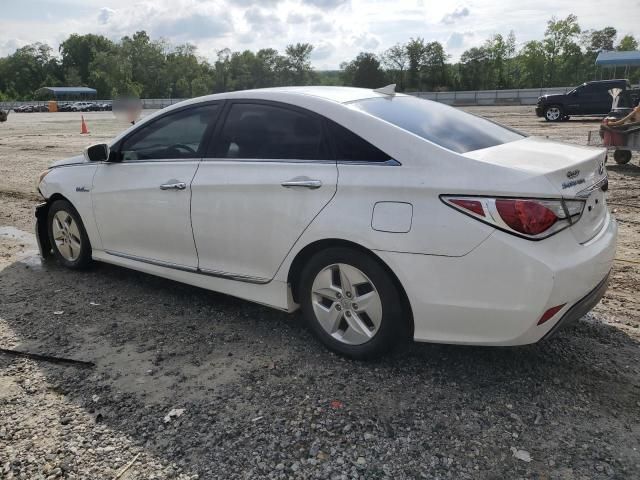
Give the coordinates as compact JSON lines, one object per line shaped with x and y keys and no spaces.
{"x":192,"y":384}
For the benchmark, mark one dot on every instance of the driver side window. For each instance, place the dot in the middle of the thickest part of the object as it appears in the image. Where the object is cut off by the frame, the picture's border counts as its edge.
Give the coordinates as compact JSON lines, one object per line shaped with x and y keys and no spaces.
{"x":178,"y":135}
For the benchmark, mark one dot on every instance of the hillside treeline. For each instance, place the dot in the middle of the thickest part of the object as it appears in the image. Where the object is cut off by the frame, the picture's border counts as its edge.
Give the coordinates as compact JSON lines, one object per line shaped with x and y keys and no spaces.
{"x":153,"y":68}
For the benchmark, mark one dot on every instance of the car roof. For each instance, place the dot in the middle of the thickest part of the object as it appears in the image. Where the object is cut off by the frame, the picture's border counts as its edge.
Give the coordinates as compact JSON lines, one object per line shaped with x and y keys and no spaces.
{"x":621,"y":80}
{"x":334,"y":94}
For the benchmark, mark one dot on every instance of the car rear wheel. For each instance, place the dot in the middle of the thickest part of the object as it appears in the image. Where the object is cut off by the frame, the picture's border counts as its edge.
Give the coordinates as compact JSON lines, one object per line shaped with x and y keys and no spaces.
{"x":68,"y":236}
{"x":622,"y":156}
{"x":553,"y":113}
{"x":351,"y":303}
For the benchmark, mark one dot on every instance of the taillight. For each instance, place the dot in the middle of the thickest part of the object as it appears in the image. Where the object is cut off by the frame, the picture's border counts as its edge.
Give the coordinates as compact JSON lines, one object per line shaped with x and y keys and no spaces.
{"x":529,"y":218}
{"x":526,"y":216}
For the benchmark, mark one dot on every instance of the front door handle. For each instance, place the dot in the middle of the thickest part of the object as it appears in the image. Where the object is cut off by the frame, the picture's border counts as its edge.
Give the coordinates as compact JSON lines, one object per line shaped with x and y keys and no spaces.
{"x":302,"y":182}
{"x":173,"y":186}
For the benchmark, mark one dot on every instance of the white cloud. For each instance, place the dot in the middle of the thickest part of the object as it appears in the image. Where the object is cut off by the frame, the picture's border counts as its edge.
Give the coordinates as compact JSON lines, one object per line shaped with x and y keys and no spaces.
{"x":339,"y":29}
{"x":104,"y":15}
{"x":457,"y":14}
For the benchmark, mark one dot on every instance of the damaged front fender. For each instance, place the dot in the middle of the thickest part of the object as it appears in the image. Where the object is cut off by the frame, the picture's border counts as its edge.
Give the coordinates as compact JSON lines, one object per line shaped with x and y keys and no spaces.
{"x":42,"y":231}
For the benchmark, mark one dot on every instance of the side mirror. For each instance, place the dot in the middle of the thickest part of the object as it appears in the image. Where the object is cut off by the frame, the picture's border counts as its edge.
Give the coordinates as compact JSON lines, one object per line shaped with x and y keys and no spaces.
{"x":97,"y":153}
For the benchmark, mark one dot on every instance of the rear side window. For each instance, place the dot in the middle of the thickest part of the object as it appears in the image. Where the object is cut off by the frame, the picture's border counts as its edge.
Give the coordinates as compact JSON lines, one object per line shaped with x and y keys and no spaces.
{"x":270,"y":132}
{"x":441,"y":124}
{"x":176,"y":135}
{"x":350,"y":147}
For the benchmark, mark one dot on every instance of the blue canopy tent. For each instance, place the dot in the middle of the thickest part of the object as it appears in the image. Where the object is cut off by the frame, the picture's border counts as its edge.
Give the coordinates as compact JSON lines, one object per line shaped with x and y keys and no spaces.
{"x":614,"y":60}
{"x":67,"y":93}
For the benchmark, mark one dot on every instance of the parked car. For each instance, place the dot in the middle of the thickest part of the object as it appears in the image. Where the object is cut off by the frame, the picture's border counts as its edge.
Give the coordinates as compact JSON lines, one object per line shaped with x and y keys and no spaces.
{"x":81,"y":106}
{"x":590,"y":98}
{"x":380,"y":215}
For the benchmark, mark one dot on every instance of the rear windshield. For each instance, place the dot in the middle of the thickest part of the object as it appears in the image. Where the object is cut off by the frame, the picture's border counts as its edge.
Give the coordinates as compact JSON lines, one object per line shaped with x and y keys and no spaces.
{"x":441,"y":124}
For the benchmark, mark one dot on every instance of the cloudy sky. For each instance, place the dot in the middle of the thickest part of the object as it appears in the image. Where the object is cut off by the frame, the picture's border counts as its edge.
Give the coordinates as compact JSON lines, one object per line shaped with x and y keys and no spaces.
{"x":339,"y":29}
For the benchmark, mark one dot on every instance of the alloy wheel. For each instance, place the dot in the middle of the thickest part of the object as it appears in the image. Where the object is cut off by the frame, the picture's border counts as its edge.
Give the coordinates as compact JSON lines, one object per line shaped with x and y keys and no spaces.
{"x":346,"y":304}
{"x":66,"y":236}
{"x":553,"y":113}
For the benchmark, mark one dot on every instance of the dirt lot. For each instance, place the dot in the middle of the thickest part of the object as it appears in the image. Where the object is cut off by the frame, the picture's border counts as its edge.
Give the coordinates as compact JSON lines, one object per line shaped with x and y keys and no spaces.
{"x":260,"y":398}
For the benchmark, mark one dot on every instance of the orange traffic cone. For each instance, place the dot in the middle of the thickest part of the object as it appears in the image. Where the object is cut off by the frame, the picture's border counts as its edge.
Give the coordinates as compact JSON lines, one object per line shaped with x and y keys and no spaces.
{"x":83,"y":127}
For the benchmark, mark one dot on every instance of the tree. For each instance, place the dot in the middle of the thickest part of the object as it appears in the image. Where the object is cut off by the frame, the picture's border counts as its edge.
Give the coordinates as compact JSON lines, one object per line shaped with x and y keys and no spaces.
{"x":298,"y":63}
{"x":28,"y":69}
{"x":558,"y":35}
{"x":499,"y":52}
{"x":532,"y":60}
{"x":78,"y":51}
{"x":364,"y":71}
{"x":148,"y":60}
{"x":627,"y":43}
{"x":396,"y":59}
{"x":599,"y":40}
{"x":433,"y":70}
{"x":474,"y":68}
{"x":416,"y":49}
{"x":221,"y":69}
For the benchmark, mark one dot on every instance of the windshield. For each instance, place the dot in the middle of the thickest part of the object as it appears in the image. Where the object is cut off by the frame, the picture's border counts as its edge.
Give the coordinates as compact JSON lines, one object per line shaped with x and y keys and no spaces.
{"x":441,"y":124}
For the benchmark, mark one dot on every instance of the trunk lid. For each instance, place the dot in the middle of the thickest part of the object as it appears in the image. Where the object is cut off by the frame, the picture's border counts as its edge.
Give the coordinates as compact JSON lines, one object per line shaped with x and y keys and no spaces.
{"x":573,"y":171}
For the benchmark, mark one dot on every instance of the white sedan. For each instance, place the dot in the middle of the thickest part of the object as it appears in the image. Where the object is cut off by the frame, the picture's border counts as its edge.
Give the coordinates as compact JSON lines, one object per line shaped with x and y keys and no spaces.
{"x":382,"y":216}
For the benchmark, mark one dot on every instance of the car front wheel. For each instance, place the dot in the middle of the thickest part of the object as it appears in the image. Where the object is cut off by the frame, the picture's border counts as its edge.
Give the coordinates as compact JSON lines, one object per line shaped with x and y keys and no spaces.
{"x":67,"y":235}
{"x":351,"y":303}
{"x":553,"y":113}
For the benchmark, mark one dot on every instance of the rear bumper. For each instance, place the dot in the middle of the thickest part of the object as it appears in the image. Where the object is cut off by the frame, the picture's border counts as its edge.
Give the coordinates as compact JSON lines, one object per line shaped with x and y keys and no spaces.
{"x":496,"y":294}
{"x":581,"y":308}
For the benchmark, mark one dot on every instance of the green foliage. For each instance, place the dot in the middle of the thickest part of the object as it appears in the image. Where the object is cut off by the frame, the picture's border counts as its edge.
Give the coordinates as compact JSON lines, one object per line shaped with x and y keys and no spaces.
{"x":364,"y":71}
{"x":627,"y":43}
{"x":396,"y":59}
{"x":138,"y":65}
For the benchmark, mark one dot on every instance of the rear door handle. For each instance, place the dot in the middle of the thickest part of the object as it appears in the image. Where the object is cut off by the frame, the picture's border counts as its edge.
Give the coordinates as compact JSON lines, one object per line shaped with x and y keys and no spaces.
{"x":303,"y":183}
{"x":173,"y":186}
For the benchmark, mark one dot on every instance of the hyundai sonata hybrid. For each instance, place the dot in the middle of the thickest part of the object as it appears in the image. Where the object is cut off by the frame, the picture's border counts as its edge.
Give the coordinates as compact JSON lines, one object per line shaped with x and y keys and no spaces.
{"x":380,"y":215}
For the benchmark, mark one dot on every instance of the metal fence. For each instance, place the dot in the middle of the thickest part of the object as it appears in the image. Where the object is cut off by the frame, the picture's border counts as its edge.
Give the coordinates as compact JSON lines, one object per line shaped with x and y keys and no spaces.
{"x":147,"y":103}
{"x":525,"y":96}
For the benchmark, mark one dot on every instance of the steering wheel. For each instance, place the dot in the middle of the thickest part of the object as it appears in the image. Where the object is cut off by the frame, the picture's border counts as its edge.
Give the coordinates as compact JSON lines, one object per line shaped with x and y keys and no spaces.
{"x":179,"y":146}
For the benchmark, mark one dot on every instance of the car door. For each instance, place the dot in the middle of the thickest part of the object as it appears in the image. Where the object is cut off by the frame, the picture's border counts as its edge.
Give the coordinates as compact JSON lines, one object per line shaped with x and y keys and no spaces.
{"x":588,"y":100}
{"x":575,"y":100}
{"x":269,"y":173}
{"x":141,"y":201}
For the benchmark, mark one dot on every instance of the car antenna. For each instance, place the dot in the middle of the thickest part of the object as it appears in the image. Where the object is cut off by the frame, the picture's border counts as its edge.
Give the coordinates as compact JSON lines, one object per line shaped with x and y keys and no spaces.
{"x":388,"y":90}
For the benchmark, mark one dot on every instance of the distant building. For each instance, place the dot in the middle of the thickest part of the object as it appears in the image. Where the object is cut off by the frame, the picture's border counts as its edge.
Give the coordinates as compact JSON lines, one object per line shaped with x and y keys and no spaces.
{"x":66,"y":93}
{"x":614,"y":60}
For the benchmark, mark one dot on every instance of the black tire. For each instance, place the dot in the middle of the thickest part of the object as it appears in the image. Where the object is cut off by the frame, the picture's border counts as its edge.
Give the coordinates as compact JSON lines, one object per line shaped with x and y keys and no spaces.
{"x":622,"y":156}
{"x":553,"y":113}
{"x":394,"y":324}
{"x":83,"y":259}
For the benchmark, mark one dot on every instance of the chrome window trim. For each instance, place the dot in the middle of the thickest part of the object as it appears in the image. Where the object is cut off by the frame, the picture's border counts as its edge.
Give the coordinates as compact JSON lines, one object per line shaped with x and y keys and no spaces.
{"x":155,"y":160}
{"x":266,"y":160}
{"x":386,"y":163}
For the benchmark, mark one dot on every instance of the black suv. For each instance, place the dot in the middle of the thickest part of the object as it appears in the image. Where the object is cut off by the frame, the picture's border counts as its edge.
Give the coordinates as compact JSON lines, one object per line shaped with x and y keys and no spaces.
{"x":591,"y":98}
